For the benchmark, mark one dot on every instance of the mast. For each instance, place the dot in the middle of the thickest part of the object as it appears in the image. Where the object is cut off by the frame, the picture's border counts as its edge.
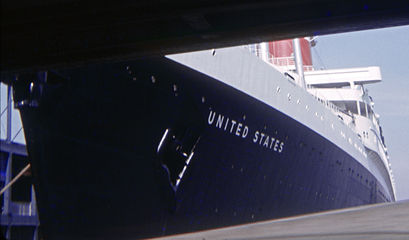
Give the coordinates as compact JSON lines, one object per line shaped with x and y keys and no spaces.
{"x":264,"y":51}
{"x":298,"y":62}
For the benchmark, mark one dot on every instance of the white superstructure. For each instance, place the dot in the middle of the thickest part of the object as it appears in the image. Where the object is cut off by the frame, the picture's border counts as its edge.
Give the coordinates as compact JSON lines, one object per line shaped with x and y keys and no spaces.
{"x":343,"y":91}
{"x":328,"y":105}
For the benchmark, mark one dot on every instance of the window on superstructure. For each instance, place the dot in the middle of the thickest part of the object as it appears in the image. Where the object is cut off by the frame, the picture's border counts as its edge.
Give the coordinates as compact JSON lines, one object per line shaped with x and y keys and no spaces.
{"x":347,"y":107}
{"x":370,"y":112}
{"x":362,"y":108}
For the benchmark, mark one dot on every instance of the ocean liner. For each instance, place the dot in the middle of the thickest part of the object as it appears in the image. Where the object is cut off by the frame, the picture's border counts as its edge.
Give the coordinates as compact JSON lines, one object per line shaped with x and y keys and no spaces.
{"x":193,"y":141}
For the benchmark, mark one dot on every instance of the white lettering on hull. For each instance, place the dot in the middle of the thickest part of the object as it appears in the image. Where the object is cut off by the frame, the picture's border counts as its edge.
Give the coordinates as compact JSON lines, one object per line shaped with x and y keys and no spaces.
{"x":240,"y":129}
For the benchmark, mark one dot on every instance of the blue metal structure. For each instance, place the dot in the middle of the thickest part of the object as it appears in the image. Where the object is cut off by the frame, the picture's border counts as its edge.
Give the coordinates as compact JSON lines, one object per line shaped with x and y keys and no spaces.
{"x":18,"y":219}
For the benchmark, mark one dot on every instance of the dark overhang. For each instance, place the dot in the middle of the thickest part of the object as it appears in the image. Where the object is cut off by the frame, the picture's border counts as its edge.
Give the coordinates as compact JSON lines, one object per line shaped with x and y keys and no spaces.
{"x":37,"y":35}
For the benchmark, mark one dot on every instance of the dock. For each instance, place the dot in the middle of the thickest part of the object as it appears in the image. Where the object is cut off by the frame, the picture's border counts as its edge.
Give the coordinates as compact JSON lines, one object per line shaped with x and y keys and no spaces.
{"x":386,"y":221}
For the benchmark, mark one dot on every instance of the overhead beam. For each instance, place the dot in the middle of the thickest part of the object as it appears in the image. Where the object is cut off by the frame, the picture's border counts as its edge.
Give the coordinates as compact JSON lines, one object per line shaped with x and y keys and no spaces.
{"x":14,"y":148}
{"x":45,"y":34}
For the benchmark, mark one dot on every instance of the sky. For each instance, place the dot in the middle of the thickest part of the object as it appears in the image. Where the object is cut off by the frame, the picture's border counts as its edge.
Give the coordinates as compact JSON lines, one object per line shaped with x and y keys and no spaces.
{"x":387,"y":48}
{"x":16,"y":134}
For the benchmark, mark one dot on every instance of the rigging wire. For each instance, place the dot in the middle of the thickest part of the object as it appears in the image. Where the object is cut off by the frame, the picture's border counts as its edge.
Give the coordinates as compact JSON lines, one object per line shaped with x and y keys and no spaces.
{"x":2,"y":112}
{"x":3,"y":128}
{"x":319,"y":58}
{"x":18,"y":132}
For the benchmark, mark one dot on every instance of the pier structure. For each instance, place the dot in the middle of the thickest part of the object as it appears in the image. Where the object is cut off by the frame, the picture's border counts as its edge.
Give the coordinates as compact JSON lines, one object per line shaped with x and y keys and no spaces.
{"x":19,"y":217}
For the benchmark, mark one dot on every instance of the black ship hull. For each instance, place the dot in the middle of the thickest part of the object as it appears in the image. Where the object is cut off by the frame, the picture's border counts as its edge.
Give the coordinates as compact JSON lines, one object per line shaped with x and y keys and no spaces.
{"x":150,"y":148}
